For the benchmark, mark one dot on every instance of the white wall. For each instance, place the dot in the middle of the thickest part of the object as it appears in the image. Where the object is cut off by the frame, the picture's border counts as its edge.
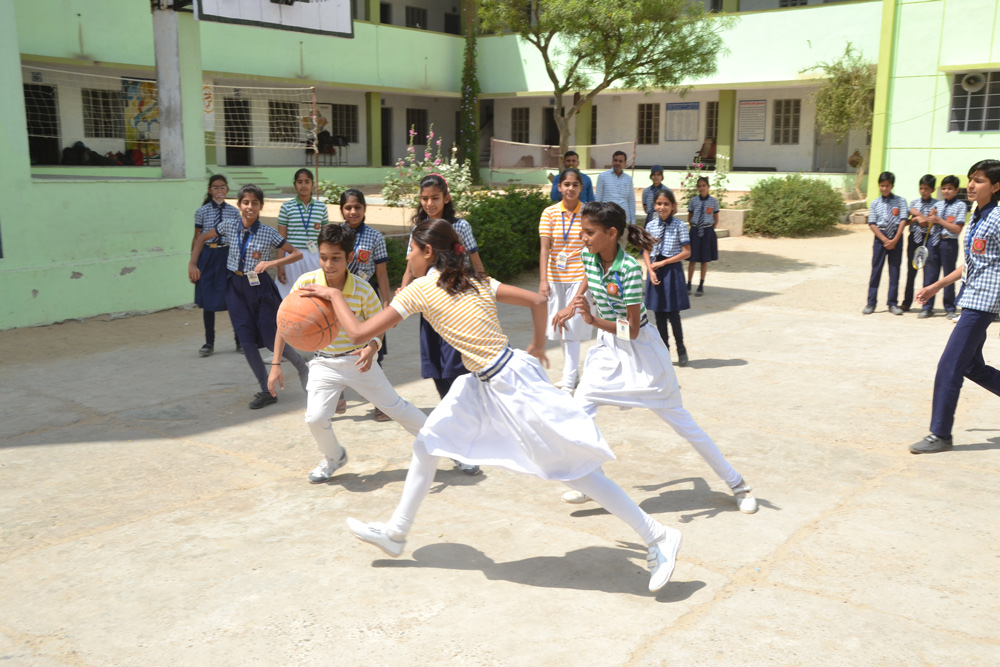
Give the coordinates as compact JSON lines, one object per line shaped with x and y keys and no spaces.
{"x":757,"y":5}
{"x":796,"y":157}
{"x":440,"y":114}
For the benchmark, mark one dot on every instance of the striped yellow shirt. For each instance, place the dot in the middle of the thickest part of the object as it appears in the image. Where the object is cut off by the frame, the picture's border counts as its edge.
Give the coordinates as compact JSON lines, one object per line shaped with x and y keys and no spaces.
{"x":563,"y":227}
{"x":467,"y":321}
{"x":359,"y":296}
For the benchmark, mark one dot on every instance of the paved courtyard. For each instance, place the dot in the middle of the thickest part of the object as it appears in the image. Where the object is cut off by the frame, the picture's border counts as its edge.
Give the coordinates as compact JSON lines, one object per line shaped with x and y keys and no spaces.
{"x":148,"y":518}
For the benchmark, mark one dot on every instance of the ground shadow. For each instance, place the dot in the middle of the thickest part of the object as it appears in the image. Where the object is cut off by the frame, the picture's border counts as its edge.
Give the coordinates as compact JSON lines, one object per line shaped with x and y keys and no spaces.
{"x":749,"y":261}
{"x":589,"y":569}
{"x":356,"y":483}
{"x":715,"y":363}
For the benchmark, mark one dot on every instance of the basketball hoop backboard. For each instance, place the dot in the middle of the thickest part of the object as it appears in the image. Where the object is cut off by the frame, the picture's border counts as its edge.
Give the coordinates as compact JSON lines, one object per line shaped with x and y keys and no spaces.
{"x":323,"y":17}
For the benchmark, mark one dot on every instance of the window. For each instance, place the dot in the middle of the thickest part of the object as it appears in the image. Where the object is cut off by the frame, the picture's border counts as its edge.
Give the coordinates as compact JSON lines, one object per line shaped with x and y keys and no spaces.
{"x":793,"y":3}
{"x":593,"y":126}
{"x":786,"y":121}
{"x":453,"y":24}
{"x":519,"y":125}
{"x":649,"y":124}
{"x":103,"y":116}
{"x":416,"y":17}
{"x":712,"y":120}
{"x":344,"y":122}
{"x":416,"y":120}
{"x":283,"y":122}
{"x":978,"y":111}
{"x":385,"y":13}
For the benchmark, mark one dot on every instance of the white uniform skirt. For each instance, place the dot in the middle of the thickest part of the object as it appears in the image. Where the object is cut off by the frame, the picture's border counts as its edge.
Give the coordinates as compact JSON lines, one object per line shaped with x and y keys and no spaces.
{"x":630,"y":373}
{"x":560,"y":296}
{"x":515,"y":420}
{"x":309,"y":262}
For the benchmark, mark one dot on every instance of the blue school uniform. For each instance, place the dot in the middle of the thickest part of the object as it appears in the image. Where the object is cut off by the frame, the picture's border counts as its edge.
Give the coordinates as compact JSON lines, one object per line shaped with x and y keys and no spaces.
{"x":671,"y":294}
{"x":210,"y":290}
{"x":915,"y":240}
{"x":980,"y":302}
{"x":886,"y":213}
{"x":649,"y":198}
{"x":944,"y":256}
{"x":701,"y":215}
{"x":369,"y":252}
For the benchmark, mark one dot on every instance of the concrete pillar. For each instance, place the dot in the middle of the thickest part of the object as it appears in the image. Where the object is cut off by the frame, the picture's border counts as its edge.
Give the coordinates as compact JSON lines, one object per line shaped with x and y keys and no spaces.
{"x":373,"y":12}
{"x":373,"y":112}
{"x":730,"y":6}
{"x":883,"y":83}
{"x":726,"y":140}
{"x":177,"y":48}
{"x":15,"y":166}
{"x":584,"y":126}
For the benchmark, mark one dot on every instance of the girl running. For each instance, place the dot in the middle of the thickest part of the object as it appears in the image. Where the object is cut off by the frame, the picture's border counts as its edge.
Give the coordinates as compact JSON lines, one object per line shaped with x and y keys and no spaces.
{"x":665,"y":293}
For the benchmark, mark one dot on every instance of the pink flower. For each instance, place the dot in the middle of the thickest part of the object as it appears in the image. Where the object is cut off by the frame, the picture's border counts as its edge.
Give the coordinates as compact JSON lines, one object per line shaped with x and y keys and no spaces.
{"x":413,"y":132}
{"x":427,"y":155}
{"x":431,"y":135}
{"x":437,"y":162}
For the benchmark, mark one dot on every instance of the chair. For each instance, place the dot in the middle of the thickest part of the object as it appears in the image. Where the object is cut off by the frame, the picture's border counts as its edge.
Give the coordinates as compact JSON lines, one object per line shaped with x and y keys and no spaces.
{"x":706,"y":155}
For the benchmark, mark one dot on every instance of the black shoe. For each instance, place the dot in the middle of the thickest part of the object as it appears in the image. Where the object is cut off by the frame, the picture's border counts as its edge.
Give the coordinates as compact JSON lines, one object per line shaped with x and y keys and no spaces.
{"x":682,"y":359}
{"x":467,"y":468}
{"x":869,"y":309}
{"x":931,"y":444}
{"x":700,"y":291}
{"x":206,"y":350}
{"x":905,"y":307}
{"x":239,"y":348}
{"x":689,"y":288}
{"x":895,"y":310}
{"x":924,"y":314}
{"x":261,"y":399}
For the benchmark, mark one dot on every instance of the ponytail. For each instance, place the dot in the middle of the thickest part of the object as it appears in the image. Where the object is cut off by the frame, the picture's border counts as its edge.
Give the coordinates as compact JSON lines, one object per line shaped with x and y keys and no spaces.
{"x":450,"y":256}
{"x":610,"y":215}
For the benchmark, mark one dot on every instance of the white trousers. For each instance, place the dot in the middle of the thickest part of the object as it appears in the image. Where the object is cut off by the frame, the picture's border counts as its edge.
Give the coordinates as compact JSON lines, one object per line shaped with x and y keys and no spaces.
{"x":309,"y":262}
{"x":329,"y":377}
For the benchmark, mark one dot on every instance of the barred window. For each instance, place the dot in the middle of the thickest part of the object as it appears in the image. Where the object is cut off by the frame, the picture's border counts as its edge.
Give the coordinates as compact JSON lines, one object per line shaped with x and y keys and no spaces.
{"x":416,"y":17}
{"x":793,"y":3}
{"x":519,"y":125}
{"x":283,"y":121}
{"x":978,"y":111}
{"x":344,"y":122}
{"x":649,"y":124}
{"x":103,"y":115}
{"x":712,"y":120}
{"x":416,"y":119}
{"x":593,"y":126}
{"x":786,"y":121}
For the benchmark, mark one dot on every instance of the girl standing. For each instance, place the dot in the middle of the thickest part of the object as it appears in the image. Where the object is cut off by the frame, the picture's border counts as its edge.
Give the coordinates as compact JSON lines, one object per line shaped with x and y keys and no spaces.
{"x":210,"y":290}
{"x":665,"y":293}
{"x":630,"y":366}
{"x":703,"y":214}
{"x":561,"y":271}
{"x":299,"y":221}
{"x":507,"y":414}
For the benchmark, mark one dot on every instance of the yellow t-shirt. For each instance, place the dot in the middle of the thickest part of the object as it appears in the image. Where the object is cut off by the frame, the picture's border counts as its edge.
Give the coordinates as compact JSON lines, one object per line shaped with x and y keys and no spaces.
{"x":563,"y":227}
{"x":359,"y":296}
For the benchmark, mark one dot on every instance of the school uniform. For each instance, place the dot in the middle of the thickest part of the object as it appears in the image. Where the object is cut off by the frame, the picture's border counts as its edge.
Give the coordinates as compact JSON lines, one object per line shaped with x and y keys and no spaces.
{"x":915,"y":238}
{"x":210,"y":290}
{"x":704,"y":241}
{"x":565,"y":270}
{"x":885,"y":213}
{"x":667,"y":299}
{"x":586,"y":192}
{"x":612,"y":187}
{"x":334,"y":367}
{"x":303,"y":224}
{"x":253,"y":309}
{"x":980,"y":303}
{"x":649,"y":199}
{"x":944,"y":256}
{"x":369,"y":252}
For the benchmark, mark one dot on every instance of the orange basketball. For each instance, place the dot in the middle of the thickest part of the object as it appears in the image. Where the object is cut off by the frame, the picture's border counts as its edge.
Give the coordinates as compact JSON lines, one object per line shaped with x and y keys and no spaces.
{"x":307,"y":322}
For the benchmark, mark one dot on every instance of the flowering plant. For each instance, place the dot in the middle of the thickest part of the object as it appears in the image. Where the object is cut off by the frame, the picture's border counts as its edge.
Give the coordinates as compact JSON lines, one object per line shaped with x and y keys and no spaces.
{"x":717,"y":180}
{"x":400,"y":187}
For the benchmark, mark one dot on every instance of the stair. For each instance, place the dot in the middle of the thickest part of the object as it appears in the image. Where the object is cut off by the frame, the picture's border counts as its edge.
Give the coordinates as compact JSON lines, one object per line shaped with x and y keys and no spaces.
{"x":239,"y":176}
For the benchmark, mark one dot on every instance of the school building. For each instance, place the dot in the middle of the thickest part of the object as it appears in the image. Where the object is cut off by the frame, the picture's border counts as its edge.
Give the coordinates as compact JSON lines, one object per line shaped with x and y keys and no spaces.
{"x":81,"y":235}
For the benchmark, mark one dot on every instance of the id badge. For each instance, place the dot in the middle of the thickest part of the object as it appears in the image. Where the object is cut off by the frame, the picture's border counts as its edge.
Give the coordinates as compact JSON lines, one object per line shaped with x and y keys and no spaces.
{"x":252,"y":277}
{"x":561,"y":260}
{"x":311,"y":247}
{"x":623,"y":330}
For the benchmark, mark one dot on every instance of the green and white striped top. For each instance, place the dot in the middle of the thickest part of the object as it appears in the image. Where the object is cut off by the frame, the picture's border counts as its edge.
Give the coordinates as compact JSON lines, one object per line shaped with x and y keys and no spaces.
{"x":617,"y":289}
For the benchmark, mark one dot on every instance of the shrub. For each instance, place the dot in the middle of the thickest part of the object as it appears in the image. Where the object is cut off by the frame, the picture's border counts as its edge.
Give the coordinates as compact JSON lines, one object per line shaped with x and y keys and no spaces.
{"x":400,"y":187}
{"x":395,"y":246}
{"x":331,"y":191}
{"x":792,"y":206}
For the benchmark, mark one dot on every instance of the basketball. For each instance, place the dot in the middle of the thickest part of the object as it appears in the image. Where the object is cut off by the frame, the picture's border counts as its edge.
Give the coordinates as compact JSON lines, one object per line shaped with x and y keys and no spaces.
{"x":307,"y":322}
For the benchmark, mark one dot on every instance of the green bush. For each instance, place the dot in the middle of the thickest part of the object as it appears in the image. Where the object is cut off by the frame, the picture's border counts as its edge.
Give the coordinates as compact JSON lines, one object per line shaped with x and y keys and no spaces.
{"x":792,"y":206}
{"x":395,"y":246}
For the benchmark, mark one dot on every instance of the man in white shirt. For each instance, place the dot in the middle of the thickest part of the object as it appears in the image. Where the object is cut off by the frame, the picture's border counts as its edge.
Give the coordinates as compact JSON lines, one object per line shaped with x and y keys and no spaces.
{"x":614,"y":185}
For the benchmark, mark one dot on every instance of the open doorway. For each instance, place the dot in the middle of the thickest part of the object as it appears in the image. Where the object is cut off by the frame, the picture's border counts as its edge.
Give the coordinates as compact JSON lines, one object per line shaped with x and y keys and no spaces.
{"x":237,"y":124}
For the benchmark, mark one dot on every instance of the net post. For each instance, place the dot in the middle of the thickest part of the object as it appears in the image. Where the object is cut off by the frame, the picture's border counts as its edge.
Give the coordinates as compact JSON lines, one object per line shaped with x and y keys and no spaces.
{"x":315,"y":138}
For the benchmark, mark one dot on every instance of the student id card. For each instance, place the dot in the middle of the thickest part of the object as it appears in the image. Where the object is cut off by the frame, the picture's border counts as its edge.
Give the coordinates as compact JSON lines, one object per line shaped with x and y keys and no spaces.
{"x":252,"y":277}
{"x":311,"y":246}
{"x":623,"y":331}
{"x":561,"y":261}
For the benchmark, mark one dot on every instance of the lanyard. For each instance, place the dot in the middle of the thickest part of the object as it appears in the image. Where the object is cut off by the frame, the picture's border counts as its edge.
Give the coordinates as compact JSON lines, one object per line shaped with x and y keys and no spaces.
{"x":248,"y":236}
{"x":567,"y":232}
{"x":303,"y":215}
{"x":615,"y":272}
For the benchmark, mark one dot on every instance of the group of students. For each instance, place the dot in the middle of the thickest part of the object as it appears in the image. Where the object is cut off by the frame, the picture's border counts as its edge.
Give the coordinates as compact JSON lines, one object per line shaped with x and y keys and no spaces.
{"x":497,"y":406}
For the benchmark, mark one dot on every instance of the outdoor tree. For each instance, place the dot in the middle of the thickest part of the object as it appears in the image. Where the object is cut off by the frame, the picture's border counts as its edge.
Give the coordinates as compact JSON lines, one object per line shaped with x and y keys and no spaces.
{"x":589,"y":45}
{"x":846,"y":101}
{"x":468,"y":109}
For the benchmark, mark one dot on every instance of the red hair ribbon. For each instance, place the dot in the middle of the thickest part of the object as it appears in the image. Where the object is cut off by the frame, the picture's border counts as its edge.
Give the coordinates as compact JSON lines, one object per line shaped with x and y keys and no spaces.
{"x":459,"y":248}
{"x":442,"y":178}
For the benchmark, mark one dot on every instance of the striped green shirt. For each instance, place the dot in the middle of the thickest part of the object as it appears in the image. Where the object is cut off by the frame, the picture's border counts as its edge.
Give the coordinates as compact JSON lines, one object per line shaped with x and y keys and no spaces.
{"x":617,"y":289}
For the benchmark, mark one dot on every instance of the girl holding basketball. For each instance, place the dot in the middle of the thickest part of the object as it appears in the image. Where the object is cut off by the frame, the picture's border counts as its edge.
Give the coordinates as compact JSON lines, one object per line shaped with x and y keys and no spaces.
{"x":210,"y":290}
{"x":703,"y":214}
{"x":630,"y":366}
{"x":507,"y":413}
{"x":299,"y":221}
{"x":665,"y":293}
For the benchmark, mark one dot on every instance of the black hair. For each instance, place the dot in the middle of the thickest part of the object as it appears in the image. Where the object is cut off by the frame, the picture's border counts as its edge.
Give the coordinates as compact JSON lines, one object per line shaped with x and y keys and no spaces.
{"x":357,"y":194}
{"x":571,"y":170}
{"x":952,"y":181}
{"x":887,"y":176}
{"x":570,"y":154}
{"x":612,"y":216}
{"x":213,"y":179}
{"x":705,"y":179}
{"x":434,"y":181}
{"x":668,"y":193}
{"x":990,"y":169}
{"x":450,"y":256}
{"x":928,"y":179}
{"x":251,"y":189}
{"x":341,"y":236}
{"x":617,"y":153}
{"x":306,"y":172}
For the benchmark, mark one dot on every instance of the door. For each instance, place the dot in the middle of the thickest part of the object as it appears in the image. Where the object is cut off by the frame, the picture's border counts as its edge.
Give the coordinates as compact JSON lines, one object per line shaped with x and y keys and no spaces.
{"x":43,"y":123}
{"x":550,"y":131}
{"x":237,"y":125}
{"x":387,"y":137}
{"x":831,"y":153}
{"x":453,"y":24}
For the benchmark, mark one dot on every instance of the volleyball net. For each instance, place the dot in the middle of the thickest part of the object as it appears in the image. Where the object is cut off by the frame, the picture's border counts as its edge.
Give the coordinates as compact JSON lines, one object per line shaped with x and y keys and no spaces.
{"x":512,"y":156}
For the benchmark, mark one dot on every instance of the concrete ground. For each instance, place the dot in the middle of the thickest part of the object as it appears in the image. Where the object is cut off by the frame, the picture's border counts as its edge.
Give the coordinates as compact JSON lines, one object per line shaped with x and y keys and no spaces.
{"x":149,"y":518}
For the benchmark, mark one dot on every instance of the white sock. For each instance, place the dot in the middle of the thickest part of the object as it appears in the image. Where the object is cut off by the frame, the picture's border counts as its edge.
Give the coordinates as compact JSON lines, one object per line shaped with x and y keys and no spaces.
{"x":571,"y":361}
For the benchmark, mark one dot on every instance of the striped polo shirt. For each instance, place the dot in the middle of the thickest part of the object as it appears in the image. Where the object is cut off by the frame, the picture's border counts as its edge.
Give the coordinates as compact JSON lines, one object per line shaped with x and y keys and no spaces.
{"x":359,"y":296}
{"x":563,"y":227}
{"x":211,"y":213}
{"x":302,"y":221}
{"x":671,"y":236}
{"x":467,"y":321}
{"x":623,"y":278}
{"x":951,"y":209}
{"x":916,"y":231}
{"x":885,"y":213}
{"x":248,"y":247}
{"x":369,"y":250}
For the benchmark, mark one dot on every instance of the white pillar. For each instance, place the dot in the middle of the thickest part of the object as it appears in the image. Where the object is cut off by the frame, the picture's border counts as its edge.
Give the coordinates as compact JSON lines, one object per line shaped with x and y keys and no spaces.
{"x":178,"y":73}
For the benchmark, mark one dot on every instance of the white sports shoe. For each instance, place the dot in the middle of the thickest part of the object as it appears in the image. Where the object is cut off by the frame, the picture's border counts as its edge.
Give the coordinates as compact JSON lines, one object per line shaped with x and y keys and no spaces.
{"x":661,"y":559}
{"x":574,"y":497}
{"x":324,"y":471}
{"x":744,"y":497}
{"x":374,"y":533}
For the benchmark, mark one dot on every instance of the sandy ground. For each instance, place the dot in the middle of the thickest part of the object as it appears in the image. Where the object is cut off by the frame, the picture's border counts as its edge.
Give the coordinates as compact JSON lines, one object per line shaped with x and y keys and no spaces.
{"x":149,"y":518}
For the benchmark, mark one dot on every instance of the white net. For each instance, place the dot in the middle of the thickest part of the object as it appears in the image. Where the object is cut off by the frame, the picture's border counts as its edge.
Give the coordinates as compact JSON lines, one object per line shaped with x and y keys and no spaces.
{"x":281,"y":118}
{"x":514,"y":156}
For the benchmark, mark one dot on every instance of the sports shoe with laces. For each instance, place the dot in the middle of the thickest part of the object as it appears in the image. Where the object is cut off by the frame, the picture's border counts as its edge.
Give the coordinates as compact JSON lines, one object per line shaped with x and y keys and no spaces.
{"x":744,"y":497}
{"x":467,"y":468}
{"x":574,"y":497}
{"x":324,"y":471}
{"x":374,"y":533}
{"x":262,"y":398}
{"x":206,"y":350}
{"x":661,"y":559}
{"x":931,"y":444}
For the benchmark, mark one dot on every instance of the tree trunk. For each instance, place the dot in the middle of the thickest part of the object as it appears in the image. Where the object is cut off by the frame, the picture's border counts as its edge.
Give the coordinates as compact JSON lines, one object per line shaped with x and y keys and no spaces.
{"x":563,"y":125}
{"x":859,"y":176}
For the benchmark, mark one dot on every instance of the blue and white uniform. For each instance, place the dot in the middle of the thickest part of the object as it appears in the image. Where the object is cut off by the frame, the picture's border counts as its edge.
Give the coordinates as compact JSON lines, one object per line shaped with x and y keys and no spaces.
{"x":671,"y":294}
{"x":649,"y":198}
{"x":210,"y":290}
{"x":701,"y":216}
{"x":945,"y":255}
{"x":369,"y":252}
{"x":916,"y":238}
{"x":886,"y":213}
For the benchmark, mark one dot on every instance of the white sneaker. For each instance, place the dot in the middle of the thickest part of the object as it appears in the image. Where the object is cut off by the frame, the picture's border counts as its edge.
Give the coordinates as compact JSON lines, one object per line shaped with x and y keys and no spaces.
{"x":744,"y":497}
{"x":324,"y":471}
{"x":574,"y":497}
{"x":661,"y":559}
{"x":374,"y":533}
